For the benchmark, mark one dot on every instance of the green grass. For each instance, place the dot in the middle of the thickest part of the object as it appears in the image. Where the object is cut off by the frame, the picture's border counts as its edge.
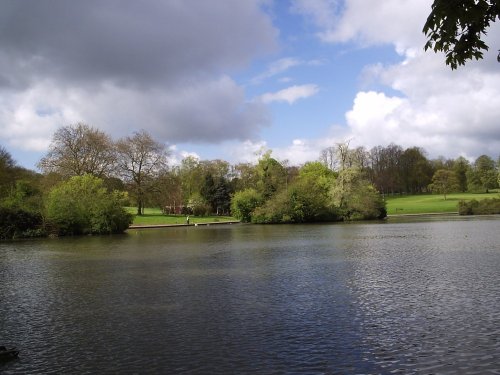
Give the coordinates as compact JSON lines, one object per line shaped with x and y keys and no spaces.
{"x":154,"y":216}
{"x":430,"y":203}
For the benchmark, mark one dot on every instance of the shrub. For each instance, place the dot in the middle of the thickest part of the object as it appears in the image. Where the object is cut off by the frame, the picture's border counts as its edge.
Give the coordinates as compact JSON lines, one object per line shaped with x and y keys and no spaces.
{"x":487,"y":206}
{"x":243,"y":204}
{"x":17,"y":223}
{"x":83,"y":205}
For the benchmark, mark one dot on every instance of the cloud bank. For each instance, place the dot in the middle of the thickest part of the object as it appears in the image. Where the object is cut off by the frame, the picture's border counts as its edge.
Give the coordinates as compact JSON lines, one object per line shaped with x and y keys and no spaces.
{"x":127,"y":65}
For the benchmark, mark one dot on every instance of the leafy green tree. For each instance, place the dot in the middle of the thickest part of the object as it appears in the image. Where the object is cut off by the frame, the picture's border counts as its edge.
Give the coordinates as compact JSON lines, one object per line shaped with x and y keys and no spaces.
{"x":222,"y":196}
{"x":305,"y":200}
{"x":7,"y":174}
{"x":461,"y":166}
{"x":272,"y":175}
{"x":355,"y":197}
{"x":483,"y":175}
{"x":83,"y":205}
{"x":457,"y":28}
{"x":244,"y":203}
{"x":25,"y":196}
{"x":444,"y":182}
{"x":191,"y":175}
{"x":208,"y":190}
{"x":416,"y":170}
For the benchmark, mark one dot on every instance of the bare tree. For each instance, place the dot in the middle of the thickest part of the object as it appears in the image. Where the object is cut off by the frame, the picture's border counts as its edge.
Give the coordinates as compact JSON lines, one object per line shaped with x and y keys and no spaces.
{"x":140,"y":159}
{"x":77,"y":150}
{"x":328,"y":157}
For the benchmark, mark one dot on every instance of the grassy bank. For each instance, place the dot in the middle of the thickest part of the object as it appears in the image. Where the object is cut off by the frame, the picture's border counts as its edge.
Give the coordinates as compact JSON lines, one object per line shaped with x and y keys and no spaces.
{"x":430,"y":203}
{"x":154,"y":216}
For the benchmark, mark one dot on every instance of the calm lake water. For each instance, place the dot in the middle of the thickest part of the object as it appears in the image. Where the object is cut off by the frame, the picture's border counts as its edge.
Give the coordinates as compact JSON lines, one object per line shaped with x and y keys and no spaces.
{"x":366,"y":298}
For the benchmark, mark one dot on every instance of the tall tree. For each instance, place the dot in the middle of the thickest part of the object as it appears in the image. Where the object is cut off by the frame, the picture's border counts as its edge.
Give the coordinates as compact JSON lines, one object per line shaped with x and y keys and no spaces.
{"x":272,"y":175}
{"x":191,"y":173}
{"x":461,"y":166}
{"x":7,"y":168}
{"x":457,"y":28}
{"x":416,"y":170}
{"x":140,"y":159}
{"x":77,"y":150}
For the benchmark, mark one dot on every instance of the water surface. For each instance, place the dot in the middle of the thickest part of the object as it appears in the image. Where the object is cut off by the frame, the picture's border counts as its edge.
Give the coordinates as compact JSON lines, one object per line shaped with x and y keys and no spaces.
{"x":398,"y":297}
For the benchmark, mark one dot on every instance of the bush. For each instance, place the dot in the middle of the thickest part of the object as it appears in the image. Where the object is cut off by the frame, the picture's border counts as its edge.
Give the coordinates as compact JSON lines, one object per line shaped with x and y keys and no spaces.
{"x":297,"y":205}
{"x":487,"y":206}
{"x":244,"y":203}
{"x":83,"y":205}
{"x":18,"y":223}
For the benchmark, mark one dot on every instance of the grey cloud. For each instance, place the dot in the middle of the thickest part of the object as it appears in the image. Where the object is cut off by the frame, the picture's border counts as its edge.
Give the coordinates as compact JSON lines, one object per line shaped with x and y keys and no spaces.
{"x":130,"y":42}
{"x":123,"y":65}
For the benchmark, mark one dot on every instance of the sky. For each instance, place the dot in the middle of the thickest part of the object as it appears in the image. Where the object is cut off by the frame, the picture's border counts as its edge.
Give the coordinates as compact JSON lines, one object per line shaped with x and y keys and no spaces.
{"x":224,"y":79}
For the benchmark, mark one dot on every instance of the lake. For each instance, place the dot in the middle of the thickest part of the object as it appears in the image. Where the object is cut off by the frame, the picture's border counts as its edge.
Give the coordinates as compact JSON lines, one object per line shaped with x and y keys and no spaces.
{"x":411,"y":296}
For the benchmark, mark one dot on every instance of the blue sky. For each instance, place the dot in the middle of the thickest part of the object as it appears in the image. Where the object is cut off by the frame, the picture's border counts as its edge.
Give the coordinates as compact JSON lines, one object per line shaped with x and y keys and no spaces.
{"x":224,"y":79}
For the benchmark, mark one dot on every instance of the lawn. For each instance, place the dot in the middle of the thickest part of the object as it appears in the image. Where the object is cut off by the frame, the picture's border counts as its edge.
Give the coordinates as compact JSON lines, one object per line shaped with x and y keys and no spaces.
{"x":154,"y":216}
{"x":430,"y":203}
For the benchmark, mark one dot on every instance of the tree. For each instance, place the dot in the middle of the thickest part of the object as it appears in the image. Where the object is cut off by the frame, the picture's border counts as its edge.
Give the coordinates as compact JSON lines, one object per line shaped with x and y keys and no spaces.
{"x":385,"y":169}
{"x":77,"y":150}
{"x":483,"y":175}
{"x":272,"y":175}
{"x":243,"y":203}
{"x":356,"y":197}
{"x":415,"y":170}
{"x":456,"y":27}
{"x":461,"y":166}
{"x":140,"y":159}
{"x":444,"y":181}
{"x":83,"y":205}
{"x":191,"y":175}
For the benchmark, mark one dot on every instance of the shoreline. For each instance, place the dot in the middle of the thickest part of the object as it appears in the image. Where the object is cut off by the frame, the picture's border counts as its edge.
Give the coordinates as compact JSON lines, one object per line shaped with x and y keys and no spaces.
{"x":453,"y":213}
{"x":152,"y":226}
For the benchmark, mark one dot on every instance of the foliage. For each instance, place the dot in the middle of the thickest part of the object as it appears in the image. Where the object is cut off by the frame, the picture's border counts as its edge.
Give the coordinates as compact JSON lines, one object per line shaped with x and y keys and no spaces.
{"x":198,"y":206}
{"x":83,"y":205}
{"x":356,"y":198}
{"x":457,"y":28}
{"x":17,"y":222}
{"x":77,"y":150}
{"x":243,"y":203}
{"x":444,"y":181}
{"x":305,"y":200}
{"x":278,"y":209}
{"x":460,"y":167}
{"x":487,"y":206}
{"x":483,"y":175}
{"x":272,"y":175}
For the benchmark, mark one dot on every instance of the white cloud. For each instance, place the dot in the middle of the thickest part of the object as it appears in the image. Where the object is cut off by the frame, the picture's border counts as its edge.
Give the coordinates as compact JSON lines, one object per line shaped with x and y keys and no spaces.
{"x":290,"y":94}
{"x":446,"y":112}
{"x":277,"y":67}
{"x":397,"y":22}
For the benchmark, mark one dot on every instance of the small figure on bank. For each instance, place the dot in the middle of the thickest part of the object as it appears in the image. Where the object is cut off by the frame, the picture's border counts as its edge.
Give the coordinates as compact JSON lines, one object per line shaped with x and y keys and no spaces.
{"x":187,"y":220}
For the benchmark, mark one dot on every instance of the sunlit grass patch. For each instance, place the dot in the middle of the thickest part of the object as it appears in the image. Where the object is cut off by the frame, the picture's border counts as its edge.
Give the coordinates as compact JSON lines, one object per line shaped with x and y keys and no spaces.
{"x":430,"y":203}
{"x":154,"y":216}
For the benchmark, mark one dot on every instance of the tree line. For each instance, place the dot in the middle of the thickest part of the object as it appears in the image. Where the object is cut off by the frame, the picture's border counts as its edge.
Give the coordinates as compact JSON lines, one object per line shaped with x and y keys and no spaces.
{"x":87,"y":178}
